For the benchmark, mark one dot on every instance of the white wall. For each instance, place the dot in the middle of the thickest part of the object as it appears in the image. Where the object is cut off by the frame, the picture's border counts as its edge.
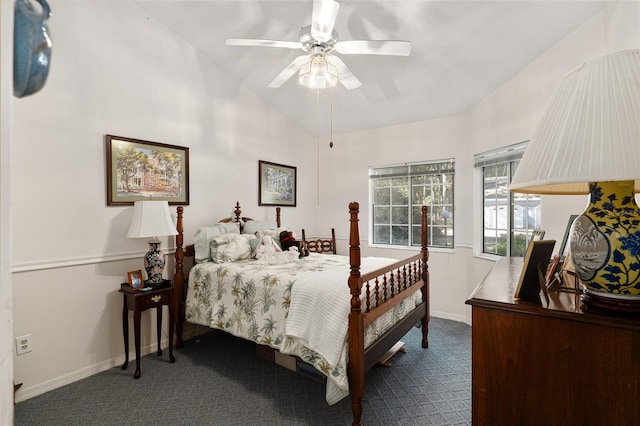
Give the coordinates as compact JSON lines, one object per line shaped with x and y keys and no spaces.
{"x":115,"y":70}
{"x":507,"y":116}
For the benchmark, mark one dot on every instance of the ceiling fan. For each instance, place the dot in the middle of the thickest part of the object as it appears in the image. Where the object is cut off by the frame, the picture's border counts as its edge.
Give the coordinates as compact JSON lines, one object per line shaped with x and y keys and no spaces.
{"x":317,"y":68}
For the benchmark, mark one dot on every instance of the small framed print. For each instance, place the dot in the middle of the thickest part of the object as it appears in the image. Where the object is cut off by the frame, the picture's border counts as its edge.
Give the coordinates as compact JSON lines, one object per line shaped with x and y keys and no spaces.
{"x":276,"y":184}
{"x":537,"y":235}
{"x":135,"y":279}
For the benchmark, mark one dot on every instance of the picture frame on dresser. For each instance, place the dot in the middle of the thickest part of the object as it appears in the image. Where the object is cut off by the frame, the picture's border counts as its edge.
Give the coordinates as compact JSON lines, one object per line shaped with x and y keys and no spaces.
{"x":537,"y":235}
{"x":532,"y":276}
{"x":142,"y":170}
{"x":276,"y":184}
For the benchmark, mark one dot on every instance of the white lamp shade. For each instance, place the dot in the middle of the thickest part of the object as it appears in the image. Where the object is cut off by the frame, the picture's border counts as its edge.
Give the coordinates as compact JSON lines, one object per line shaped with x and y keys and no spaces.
{"x":151,"y":219}
{"x":590,"y":131}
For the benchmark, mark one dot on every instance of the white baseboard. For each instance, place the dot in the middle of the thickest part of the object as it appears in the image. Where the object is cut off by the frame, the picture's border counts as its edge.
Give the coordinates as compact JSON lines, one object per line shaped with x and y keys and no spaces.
{"x":452,"y":317}
{"x":29,"y":392}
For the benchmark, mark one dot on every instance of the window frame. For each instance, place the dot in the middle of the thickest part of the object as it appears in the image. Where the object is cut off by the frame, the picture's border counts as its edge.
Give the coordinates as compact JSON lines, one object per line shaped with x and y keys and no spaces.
{"x":509,"y":158}
{"x":414,"y":172}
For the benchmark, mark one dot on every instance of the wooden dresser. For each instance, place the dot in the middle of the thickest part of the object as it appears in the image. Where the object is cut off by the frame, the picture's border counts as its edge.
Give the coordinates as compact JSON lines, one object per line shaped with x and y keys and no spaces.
{"x":560,"y":363}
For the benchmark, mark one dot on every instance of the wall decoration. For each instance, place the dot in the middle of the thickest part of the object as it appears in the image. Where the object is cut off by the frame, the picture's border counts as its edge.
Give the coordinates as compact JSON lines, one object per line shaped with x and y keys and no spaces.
{"x":31,"y":47}
{"x":276,"y":184}
{"x":135,"y":278}
{"x":142,"y":170}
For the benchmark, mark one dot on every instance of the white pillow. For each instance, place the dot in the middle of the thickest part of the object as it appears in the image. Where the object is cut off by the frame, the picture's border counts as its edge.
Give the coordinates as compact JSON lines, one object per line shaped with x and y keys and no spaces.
{"x":230,"y":227}
{"x":231,"y":247}
{"x":253,"y":226}
{"x":202,"y":239}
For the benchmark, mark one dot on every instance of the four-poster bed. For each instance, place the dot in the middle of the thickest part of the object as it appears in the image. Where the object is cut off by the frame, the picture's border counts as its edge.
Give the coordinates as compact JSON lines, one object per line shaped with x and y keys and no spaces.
{"x":382,"y":305}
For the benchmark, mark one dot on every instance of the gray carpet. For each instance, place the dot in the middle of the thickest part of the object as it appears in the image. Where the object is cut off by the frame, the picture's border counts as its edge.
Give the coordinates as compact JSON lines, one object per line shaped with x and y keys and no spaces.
{"x":219,"y":380}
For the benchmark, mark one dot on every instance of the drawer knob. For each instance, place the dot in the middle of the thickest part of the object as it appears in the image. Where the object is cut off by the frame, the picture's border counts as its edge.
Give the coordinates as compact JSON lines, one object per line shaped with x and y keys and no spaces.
{"x":156,"y":299}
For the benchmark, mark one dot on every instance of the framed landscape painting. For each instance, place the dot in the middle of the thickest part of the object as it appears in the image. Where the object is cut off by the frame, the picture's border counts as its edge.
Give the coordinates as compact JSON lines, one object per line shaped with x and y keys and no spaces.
{"x":142,"y":170}
{"x":276,"y":184}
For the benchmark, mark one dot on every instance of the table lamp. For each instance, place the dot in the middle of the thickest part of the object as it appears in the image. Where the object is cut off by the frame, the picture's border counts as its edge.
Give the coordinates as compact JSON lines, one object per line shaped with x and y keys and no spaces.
{"x":588,"y":142}
{"x":152,"y":219}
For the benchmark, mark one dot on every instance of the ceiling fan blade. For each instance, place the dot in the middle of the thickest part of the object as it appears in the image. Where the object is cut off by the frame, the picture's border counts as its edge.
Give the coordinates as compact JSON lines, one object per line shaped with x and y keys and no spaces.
{"x":345,"y":76}
{"x":263,"y":43}
{"x":290,"y":70}
{"x":374,"y":47}
{"x":323,"y":19}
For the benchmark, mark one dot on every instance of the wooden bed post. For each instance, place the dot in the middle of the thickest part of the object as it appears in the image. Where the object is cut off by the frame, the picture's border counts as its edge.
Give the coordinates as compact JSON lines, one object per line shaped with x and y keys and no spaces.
{"x":278,"y":217}
{"x":356,"y":368}
{"x":425,"y":276}
{"x":178,"y":279}
{"x":238,"y":212}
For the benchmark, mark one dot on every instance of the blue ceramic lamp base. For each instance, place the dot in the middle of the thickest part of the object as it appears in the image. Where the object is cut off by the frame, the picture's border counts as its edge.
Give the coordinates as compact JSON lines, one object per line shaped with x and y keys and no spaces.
{"x":605,"y":247}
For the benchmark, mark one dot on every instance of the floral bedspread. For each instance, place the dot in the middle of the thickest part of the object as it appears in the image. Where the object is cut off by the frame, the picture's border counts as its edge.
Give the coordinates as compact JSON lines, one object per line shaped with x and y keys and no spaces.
{"x":252,"y":301}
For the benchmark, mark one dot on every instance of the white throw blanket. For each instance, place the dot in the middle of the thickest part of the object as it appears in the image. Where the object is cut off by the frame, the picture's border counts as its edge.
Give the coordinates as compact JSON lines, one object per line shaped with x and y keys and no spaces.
{"x":320,"y":305}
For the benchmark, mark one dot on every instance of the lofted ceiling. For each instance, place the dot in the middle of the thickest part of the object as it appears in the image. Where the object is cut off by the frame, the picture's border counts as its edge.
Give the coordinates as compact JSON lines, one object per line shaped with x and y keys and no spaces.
{"x":461,"y":52}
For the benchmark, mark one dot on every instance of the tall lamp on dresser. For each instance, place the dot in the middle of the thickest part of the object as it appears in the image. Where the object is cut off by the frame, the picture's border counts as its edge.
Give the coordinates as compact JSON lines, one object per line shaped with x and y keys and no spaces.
{"x":588,"y":142}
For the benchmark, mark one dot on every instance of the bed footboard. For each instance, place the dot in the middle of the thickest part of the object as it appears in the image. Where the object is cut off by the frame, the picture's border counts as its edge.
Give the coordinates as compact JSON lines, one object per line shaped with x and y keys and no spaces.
{"x":383,"y":289}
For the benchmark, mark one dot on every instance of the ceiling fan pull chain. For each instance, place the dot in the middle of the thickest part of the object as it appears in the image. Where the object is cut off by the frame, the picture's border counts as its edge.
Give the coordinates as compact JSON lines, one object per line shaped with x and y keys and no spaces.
{"x":331,"y":123}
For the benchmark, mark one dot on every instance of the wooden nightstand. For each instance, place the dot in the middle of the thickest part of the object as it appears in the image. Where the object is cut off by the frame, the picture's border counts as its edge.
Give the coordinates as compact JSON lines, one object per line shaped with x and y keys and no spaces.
{"x":139,"y":301}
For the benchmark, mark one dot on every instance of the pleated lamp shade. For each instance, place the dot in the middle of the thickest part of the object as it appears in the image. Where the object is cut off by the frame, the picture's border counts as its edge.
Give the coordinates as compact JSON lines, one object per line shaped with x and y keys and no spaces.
{"x":590,"y":131}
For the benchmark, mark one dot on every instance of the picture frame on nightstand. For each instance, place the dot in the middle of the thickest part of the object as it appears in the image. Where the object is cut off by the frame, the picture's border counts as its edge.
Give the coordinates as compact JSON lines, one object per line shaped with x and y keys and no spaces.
{"x":135,"y":279}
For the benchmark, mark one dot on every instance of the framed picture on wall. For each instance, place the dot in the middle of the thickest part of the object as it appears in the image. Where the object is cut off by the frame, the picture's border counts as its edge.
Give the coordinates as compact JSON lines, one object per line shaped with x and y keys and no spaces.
{"x":276,"y":184}
{"x":142,"y":170}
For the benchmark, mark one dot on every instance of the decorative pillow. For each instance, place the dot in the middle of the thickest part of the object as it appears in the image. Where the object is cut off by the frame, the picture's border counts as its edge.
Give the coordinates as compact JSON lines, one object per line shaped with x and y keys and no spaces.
{"x":202,"y":239}
{"x":253,"y":226}
{"x":230,"y":247}
{"x":253,"y":243}
{"x":230,"y":227}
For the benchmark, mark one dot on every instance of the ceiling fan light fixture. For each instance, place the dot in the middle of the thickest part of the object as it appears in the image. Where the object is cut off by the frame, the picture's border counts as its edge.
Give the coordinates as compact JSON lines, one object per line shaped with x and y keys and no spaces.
{"x":318,"y":73}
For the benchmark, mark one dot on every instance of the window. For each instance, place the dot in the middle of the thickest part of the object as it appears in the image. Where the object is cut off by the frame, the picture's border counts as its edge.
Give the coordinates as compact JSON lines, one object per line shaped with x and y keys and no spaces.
{"x":508,"y":218}
{"x":397,"y":195}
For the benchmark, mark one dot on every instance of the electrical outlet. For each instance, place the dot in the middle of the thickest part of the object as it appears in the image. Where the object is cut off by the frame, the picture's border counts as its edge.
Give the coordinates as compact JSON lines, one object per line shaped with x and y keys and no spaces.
{"x":23,"y":344}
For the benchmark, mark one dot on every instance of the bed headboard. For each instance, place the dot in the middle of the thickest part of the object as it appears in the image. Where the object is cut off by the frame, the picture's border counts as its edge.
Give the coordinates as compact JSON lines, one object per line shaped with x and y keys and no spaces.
{"x":188,"y":251}
{"x":240,"y":220}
